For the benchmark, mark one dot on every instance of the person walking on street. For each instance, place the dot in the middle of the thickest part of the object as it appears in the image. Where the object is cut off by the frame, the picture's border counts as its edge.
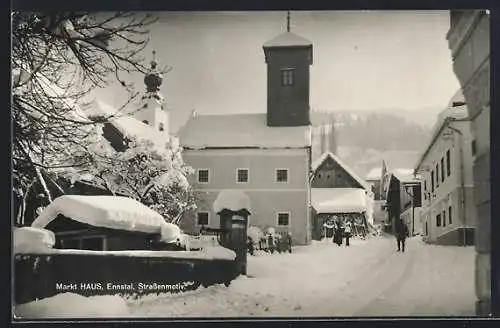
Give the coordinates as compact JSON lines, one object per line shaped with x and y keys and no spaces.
{"x":347,"y":232}
{"x":401,"y":233}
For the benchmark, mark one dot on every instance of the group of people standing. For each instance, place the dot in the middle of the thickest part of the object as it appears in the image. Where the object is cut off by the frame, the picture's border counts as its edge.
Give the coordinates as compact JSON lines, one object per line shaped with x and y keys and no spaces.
{"x":340,"y":231}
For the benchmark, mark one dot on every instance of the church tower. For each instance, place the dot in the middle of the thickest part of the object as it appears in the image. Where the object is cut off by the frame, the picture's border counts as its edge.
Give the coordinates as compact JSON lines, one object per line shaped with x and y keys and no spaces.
{"x":288,"y":57}
{"x":153,"y":111}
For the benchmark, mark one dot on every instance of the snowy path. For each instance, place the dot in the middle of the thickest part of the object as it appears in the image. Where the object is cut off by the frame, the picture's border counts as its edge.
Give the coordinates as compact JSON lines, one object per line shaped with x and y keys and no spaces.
{"x":367,"y":279}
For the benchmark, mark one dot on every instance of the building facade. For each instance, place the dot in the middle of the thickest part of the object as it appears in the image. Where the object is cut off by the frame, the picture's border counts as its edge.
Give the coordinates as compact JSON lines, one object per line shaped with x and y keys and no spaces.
{"x":337,"y":191}
{"x":446,"y":170}
{"x":469,"y":42}
{"x":268,"y":155}
{"x":379,"y":204}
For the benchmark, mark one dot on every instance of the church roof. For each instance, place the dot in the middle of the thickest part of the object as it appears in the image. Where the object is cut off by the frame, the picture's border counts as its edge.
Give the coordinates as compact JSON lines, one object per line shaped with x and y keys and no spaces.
{"x":287,"y":39}
{"x":240,"y":131}
{"x":317,"y":163}
{"x":125,"y":123}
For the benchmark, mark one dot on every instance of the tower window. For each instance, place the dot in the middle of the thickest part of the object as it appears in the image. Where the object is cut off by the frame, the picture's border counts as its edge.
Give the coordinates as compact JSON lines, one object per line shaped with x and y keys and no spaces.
{"x":160,"y":127}
{"x":145,"y":122}
{"x":287,"y":76}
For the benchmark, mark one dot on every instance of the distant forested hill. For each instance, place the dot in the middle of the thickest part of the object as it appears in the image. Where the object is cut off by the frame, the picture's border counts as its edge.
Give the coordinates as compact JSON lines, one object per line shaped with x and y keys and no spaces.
{"x":364,"y":138}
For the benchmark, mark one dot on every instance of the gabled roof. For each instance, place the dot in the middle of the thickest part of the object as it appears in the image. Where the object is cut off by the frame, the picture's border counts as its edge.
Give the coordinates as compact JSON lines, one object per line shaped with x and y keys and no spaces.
{"x":445,"y":117}
{"x":338,"y":200}
{"x":317,"y":163}
{"x":240,"y":131}
{"x":287,"y":39}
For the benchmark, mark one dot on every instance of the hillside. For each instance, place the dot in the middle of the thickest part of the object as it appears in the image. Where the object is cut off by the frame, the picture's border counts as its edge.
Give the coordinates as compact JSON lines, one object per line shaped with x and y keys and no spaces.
{"x":364,"y":138}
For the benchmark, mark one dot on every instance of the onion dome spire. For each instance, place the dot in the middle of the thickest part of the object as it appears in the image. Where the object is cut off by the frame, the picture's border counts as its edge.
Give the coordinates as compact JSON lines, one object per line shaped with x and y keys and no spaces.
{"x":154,"y":78}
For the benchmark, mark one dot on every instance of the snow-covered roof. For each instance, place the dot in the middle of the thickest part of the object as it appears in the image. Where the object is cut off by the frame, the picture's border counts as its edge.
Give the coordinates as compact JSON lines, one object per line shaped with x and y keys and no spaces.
{"x":113,"y":212}
{"x":240,"y":131}
{"x":374,"y":174}
{"x":404,"y":175}
{"x":316,"y":164}
{"x":338,"y":200}
{"x":450,"y":114}
{"x":125,"y":123}
{"x":234,"y":200}
{"x":287,"y":39}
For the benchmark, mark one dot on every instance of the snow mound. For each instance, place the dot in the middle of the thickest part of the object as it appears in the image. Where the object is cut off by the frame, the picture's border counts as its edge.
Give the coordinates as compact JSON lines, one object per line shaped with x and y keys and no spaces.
{"x":113,"y":212}
{"x":69,"y":305}
{"x":170,"y":232}
{"x":218,"y":252}
{"x":233,"y":200}
{"x":29,"y":239}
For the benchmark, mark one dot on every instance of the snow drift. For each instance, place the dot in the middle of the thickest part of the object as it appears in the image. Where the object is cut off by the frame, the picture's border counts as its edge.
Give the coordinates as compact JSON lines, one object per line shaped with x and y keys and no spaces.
{"x":69,"y":305}
{"x":29,"y":239}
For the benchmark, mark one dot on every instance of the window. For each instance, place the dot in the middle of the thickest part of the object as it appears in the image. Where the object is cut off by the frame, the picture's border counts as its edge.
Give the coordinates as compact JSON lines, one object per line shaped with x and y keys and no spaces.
{"x":160,"y":127}
{"x":202,"y":218}
{"x":442,"y":170}
{"x":473,"y":147}
{"x":282,"y":175}
{"x":448,"y":163}
{"x":444,"y":218}
{"x":426,"y":228}
{"x":145,"y":122}
{"x":437,"y":175}
{"x":242,"y":175}
{"x":438,"y":220}
{"x":283,"y":219}
{"x":425,"y":185}
{"x":287,"y":76}
{"x":432,"y":181}
{"x":450,"y":221}
{"x":203,"y":176}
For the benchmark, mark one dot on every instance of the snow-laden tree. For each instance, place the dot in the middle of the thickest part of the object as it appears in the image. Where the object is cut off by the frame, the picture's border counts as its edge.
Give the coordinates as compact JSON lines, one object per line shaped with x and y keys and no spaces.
{"x":57,"y":59}
{"x":153,"y":173}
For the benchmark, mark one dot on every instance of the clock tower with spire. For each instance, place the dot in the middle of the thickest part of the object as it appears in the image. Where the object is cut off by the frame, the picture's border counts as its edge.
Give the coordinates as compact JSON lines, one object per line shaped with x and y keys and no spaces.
{"x":153,"y":111}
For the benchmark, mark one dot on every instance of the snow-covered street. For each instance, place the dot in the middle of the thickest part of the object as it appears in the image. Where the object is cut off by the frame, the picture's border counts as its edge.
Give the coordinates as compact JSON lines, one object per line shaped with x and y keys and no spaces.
{"x":369,"y":278}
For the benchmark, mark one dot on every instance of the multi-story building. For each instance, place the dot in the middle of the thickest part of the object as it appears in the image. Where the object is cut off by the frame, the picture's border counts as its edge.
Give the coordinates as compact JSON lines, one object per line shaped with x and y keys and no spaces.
{"x":267,"y":155}
{"x":446,"y":170}
{"x":469,"y":42}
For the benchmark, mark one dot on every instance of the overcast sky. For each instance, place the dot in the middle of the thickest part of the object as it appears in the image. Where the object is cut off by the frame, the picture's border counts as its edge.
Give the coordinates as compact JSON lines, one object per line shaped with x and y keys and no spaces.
{"x":362,"y":60}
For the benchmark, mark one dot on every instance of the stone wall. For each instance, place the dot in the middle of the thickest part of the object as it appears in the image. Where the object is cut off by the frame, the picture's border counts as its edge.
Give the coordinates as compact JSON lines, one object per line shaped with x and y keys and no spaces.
{"x":468,"y":39}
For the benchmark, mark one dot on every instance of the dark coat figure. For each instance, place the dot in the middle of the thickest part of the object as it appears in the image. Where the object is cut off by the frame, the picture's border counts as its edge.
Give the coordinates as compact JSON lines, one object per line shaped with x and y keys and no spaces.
{"x":270,"y":243}
{"x":402,"y":233}
{"x":347,"y":232}
{"x":288,"y":239}
{"x":338,"y":234}
{"x":250,"y":245}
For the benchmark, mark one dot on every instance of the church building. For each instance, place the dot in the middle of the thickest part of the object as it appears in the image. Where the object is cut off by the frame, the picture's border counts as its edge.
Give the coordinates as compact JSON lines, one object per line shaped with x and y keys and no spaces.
{"x":266,"y":155}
